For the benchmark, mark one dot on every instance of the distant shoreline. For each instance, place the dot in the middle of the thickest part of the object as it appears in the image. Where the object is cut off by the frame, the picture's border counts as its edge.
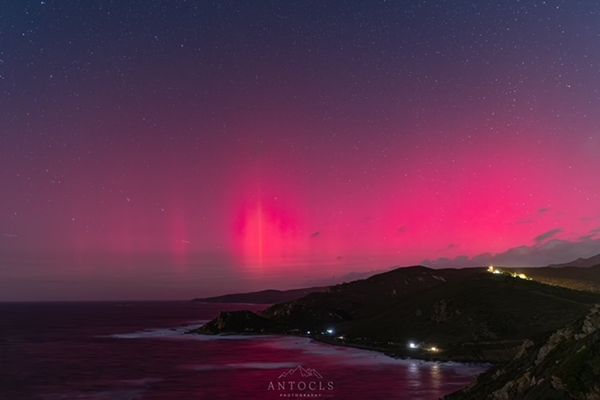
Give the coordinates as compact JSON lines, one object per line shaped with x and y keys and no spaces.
{"x":388,"y":351}
{"x":368,"y":347}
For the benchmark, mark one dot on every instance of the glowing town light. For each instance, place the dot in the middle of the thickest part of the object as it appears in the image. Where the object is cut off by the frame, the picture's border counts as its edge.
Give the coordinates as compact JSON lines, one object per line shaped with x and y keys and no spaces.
{"x":493,"y":270}
{"x":520,"y":276}
{"x":330,"y":331}
{"x":308,"y":332}
{"x":413,"y":345}
{"x":433,"y":349}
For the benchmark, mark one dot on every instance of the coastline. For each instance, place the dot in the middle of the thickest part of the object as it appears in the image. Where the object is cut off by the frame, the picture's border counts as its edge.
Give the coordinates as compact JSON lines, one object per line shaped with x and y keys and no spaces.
{"x":387,"y":351}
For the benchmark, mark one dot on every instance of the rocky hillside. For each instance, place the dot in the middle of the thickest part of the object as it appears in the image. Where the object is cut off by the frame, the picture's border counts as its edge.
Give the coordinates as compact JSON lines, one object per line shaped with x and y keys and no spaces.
{"x":566,"y":365}
{"x":238,"y":322}
{"x":466,"y":314}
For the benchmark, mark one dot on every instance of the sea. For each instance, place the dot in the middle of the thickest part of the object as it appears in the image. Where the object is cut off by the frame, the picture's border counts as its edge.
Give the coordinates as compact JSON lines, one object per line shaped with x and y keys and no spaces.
{"x":143,"y":351}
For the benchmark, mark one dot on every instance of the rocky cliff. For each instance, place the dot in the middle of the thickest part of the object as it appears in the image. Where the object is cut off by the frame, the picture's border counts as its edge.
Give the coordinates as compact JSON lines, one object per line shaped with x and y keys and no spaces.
{"x":566,"y":365}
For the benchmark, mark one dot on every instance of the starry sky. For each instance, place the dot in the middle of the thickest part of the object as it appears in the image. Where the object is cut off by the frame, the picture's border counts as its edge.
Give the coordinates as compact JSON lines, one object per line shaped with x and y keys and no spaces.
{"x":172,"y":149}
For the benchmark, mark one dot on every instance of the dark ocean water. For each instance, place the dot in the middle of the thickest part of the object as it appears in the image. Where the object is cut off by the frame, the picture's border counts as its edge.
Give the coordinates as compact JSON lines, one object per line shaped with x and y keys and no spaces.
{"x":137,"y":351}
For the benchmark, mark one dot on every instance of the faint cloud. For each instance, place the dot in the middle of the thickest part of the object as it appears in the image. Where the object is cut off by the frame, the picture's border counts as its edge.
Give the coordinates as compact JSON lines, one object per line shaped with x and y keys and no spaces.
{"x":402,"y":230}
{"x":591,"y":234}
{"x":548,"y":252}
{"x":451,"y":246}
{"x":532,"y":218}
{"x":586,"y":237}
{"x":548,"y":235}
{"x":315,"y":235}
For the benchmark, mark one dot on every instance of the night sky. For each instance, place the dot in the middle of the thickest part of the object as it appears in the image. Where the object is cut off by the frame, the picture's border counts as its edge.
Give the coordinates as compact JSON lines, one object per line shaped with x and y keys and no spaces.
{"x":171,"y":149}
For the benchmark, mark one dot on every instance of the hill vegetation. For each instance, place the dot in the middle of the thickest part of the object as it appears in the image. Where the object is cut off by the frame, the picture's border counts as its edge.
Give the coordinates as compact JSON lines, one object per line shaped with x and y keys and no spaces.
{"x":565,"y":365}
{"x":458,"y":314}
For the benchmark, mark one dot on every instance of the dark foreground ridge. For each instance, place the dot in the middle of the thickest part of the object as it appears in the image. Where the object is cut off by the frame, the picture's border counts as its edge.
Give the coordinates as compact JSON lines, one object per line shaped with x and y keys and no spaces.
{"x":566,"y":365}
{"x":449,"y":314}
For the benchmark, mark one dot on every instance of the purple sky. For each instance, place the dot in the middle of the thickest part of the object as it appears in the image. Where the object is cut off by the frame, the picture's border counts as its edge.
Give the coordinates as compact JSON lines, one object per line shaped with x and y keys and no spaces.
{"x":178,"y":149}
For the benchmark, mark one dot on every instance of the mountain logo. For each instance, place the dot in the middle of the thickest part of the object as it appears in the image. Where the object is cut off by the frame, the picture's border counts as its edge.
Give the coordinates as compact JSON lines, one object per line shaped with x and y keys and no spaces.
{"x":301,"y":371}
{"x":301,"y":382}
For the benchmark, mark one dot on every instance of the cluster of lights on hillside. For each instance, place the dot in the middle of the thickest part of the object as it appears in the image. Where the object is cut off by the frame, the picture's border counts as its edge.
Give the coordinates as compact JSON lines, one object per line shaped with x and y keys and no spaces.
{"x":331,"y":332}
{"x":493,"y":270}
{"x":327,"y":332}
{"x":416,"y":346}
{"x":411,"y":345}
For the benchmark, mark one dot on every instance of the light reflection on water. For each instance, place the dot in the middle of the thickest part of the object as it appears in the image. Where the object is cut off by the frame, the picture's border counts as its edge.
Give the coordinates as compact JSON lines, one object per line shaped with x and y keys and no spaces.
{"x":102,"y":352}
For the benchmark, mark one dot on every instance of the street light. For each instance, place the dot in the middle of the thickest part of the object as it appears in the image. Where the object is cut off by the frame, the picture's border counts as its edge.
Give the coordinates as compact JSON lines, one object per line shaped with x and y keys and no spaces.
{"x":413,"y":345}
